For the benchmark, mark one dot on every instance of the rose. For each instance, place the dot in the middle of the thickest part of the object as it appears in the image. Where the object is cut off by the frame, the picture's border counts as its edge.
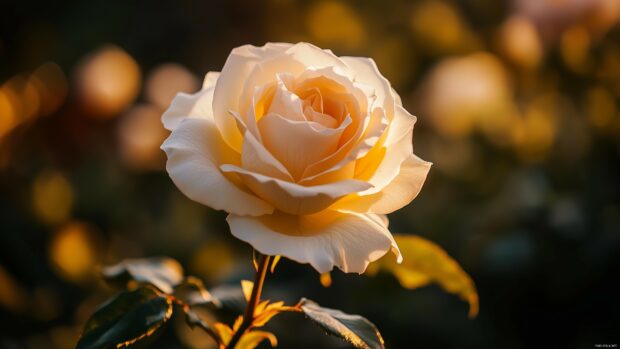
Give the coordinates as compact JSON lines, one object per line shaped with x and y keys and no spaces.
{"x":305,"y":150}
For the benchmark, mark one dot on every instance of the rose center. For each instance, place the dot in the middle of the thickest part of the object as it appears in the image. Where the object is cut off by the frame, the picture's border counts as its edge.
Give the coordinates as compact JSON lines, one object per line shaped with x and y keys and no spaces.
{"x":320,"y":109}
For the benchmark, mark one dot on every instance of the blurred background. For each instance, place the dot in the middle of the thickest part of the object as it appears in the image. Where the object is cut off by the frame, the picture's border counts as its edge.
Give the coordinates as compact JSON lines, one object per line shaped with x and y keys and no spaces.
{"x":517,"y":105}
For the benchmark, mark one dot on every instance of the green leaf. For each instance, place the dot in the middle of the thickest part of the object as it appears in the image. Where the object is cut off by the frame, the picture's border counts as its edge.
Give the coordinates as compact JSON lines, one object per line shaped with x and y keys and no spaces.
{"x":161,"y":272}
{"x":354,"y":329}
{"x":127,"y":318}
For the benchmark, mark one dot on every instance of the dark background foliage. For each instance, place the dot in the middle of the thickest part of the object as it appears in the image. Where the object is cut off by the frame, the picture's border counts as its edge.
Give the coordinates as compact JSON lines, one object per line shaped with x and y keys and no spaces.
{"x":517,"y":105}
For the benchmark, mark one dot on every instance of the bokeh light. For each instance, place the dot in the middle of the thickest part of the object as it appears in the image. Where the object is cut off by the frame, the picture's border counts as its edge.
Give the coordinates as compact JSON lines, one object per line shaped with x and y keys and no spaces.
{"x":108,"y":80}
{"x":52,"y":86}
{"x":451,"y":36}
{"x":140,"y":135}
{"x":335,"y":24}
{"x":213,"y":260}
{"x":52,"y":197}
{"x":165,"y":81}
{"x":520,"y":43}
{"x":8,"y":115}
{"x":575,"y":48}
{"x":73,"y":251}
{"x":12,"y":295}
{"x":461,"y":93}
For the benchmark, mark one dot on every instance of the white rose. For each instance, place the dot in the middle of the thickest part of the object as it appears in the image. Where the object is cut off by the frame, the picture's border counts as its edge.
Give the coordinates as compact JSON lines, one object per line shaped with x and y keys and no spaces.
{"x":305,"y":150}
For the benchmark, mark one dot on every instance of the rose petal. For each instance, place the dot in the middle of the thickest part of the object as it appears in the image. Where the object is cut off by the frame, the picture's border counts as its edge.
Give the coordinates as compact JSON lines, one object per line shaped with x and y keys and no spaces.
{"x":294,"y":198}
{"x":365,"y":71}
{"x":382,"y":163}
{"x":286,"y":103}
{"x":256,"y":158}
{"x":197,"y":105}
{"x":287,"y":63}
{"x":297,"y":144}
{"x":349,"y":241}
{"x":337,"y":164}
{"x":312,"y":56}
{"x":195,"y":149}
{"x":210,"y":79}
{"x":229,"y":86}
{"x":397,"y":194}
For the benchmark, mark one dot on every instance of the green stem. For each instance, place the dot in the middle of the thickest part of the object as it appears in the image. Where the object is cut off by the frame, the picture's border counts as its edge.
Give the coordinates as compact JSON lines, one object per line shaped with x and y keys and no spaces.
{"x":248,"y":319}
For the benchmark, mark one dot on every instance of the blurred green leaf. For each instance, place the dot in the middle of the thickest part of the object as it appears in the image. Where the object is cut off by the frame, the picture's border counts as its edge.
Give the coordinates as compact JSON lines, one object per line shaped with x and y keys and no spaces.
{"x":127,"y":318}
{"x":354,"y":329}
{"x":161,"y":272}
{"x":425,"y":262}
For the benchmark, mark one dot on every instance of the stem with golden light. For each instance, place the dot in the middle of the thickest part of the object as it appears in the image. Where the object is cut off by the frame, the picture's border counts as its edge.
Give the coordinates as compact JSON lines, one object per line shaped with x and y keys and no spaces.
{"x":248,"y":318}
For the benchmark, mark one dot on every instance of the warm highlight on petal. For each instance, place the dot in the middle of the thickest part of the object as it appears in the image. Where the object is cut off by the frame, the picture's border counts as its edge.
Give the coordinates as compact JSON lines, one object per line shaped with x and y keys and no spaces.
{"x":349,"y":241}
{"x":195,"y":150}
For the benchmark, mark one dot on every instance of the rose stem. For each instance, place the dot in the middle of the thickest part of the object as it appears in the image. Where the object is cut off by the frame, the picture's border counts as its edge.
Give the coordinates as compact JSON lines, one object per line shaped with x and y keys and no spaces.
{"x":248,"y":319}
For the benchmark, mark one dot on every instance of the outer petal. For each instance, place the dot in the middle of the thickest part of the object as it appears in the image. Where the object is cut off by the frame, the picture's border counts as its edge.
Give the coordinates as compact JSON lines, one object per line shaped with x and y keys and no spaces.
{"x":400,"y":192}
{"x":210,"y":79}
{"x":365,"y":71}
{"x":294,"y":198}
{"x":382,"y":163}
{"x":349,"y":241}
{"x":230,"y":85}
{"x":313,"y":56}
{"x":195,"y":149}
{"x":197,"y":105}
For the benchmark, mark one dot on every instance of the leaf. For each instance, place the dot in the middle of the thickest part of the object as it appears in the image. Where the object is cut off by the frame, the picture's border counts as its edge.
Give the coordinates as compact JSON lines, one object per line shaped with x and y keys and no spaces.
{"x":161,"y":272}
{"x":224,"y":331}
{"x":246,"y":287}
{"x":127,"y":318}
{"x":275,"y":261}
{"x":254,"y":260}
{"x":248,"y":340}
{"x":354,"y":329}
{"x":229,"y":298}
{"x":252,"y":339}
{"x":194,"y":319}
{"x":425,"y":262}
{"x":265,"y":312}
{"x":192,"y":291}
